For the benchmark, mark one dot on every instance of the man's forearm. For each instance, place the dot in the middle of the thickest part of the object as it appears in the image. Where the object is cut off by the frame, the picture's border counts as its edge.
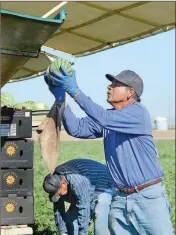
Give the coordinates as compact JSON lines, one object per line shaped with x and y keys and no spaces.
{"x":60,"y":223}
{"x":59,"y":214}
{"x":127,"y":120}
{"x":93,"y":110}
{"x":84,"y":128}
{"x":70,"y":122}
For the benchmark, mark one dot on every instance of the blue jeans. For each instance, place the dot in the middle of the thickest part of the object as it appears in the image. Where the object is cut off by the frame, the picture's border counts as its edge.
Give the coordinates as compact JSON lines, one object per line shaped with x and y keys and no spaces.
{"x":146,"y":212}
{"x":69,"y":223}
{"x":101,"y":212}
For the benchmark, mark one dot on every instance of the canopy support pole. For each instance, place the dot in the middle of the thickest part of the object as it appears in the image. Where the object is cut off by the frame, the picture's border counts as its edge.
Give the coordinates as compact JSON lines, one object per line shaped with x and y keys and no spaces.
{"x":54,"y":9}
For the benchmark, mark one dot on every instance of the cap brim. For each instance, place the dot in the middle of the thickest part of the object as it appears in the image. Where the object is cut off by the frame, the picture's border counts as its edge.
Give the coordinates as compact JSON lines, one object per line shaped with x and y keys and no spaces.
{"x":110,"y":77}
{"x":55,"y":197}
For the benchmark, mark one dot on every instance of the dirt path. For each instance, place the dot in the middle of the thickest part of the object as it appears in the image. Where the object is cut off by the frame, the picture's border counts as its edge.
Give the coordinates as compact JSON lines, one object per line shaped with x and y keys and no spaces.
{"x":158,"y":135}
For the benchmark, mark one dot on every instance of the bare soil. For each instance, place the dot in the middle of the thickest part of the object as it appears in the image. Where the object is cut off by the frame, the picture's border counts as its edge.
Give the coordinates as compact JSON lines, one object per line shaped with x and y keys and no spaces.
{"x":158,"y":135}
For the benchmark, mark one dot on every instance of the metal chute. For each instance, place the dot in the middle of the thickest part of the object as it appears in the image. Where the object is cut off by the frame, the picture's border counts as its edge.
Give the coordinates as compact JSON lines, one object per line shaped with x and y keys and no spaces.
{"x":21,"y":39}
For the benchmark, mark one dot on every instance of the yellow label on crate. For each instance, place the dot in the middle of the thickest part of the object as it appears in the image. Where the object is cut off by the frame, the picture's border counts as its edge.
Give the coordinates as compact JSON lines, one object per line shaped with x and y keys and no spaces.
{"x":9,"y":206}
{"x":10,"y":178}
{"x":11,"y":149}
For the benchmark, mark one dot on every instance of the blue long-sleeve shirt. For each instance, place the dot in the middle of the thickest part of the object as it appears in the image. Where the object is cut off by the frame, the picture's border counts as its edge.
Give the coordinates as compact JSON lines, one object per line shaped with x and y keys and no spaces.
{"x":86,"y":180}
{"x":129,"y":148}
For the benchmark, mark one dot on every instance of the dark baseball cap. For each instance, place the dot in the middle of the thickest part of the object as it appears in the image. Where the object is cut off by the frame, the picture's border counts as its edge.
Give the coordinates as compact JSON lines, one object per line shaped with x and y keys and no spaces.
{"x":129,"y":78}
{"x":51,"y":184}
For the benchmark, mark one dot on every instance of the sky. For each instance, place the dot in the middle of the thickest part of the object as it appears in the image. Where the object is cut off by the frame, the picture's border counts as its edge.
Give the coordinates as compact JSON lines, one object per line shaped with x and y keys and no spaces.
{"x":152,"y":58}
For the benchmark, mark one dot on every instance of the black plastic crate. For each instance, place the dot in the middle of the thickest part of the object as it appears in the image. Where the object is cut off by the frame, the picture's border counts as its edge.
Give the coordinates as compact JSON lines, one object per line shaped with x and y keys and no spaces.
{"x":16,"y":123}
{"x":17,"y":210}
{"x":17,"y":153}
{"x":17,"y":181}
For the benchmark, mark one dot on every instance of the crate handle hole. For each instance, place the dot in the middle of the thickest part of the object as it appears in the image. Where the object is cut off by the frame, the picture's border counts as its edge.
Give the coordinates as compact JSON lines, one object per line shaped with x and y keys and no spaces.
{"x":20,"y":181}
{"x":20,"y":122}
{"x":21,"y":153}
{"x":21,"y":209}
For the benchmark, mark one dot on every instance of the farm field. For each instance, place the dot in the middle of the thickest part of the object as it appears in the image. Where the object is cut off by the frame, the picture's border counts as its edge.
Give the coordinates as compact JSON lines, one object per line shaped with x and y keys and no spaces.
{"x":44,"y":220}
{"x":157,"y":135}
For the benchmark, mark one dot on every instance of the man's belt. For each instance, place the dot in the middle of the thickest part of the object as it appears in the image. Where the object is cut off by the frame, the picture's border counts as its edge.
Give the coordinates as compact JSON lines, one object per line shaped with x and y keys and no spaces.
{"x":137,"y":188}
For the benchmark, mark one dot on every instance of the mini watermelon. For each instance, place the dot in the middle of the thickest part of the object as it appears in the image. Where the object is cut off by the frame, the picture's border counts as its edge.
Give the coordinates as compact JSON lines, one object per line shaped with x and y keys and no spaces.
{"x":29,"y":102}
{"x":40,"y":106}
{"x":23,"y":106}
{"x":7,"y":100}
{"x":55,"y":66}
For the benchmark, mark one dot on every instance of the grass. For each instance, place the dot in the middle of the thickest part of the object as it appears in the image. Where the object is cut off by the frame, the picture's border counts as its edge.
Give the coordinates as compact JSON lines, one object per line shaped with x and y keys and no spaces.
{"x":44,"y":220}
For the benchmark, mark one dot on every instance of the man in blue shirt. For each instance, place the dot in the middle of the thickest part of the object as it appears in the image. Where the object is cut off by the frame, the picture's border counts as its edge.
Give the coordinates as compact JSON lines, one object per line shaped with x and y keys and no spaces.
{"x":140,"y":205}
{"x":87,"y":186}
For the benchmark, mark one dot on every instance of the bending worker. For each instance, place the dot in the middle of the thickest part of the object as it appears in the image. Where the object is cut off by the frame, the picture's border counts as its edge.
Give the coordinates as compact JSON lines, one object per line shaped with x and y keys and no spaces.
{"x":86,"y":185}
{"x":140,"y":205}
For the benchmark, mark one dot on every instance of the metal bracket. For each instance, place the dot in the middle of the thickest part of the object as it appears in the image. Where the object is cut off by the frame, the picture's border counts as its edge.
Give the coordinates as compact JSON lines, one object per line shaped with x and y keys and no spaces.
{"x":33,"y":54}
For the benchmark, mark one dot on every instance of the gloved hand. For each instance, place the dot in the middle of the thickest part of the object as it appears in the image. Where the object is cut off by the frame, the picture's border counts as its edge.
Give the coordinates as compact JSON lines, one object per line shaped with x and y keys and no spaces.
{"x":57,"y":91}
{"x":66,"y":81}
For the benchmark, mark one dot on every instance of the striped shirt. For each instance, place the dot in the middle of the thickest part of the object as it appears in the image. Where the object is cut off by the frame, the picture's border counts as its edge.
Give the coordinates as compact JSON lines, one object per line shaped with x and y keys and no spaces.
{"x":86,"y":180}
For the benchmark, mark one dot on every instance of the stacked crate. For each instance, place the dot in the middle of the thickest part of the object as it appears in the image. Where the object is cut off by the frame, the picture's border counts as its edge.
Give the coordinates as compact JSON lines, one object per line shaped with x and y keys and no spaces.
{"x":17,"y":176}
